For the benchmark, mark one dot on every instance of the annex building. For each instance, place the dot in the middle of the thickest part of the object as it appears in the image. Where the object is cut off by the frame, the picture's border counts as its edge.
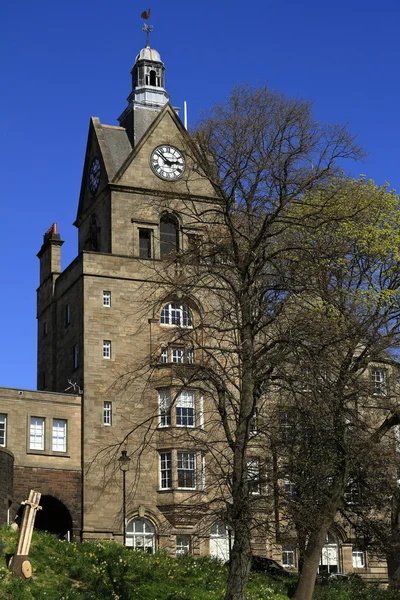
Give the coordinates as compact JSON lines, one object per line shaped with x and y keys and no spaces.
{"x":106,"y":327}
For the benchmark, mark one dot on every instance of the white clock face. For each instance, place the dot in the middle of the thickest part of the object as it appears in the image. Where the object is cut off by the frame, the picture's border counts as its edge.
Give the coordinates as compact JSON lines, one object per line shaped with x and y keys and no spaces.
{"x":167,"y":162}
{"x":94,"y":175}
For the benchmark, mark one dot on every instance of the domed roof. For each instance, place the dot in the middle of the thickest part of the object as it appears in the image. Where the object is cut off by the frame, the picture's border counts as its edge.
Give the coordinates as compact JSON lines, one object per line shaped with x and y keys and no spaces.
{"x":149,"y":54}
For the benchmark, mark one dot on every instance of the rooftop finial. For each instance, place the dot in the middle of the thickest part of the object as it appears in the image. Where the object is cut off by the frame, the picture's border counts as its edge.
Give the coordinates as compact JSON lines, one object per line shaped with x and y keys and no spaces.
{"x":147,"y":28}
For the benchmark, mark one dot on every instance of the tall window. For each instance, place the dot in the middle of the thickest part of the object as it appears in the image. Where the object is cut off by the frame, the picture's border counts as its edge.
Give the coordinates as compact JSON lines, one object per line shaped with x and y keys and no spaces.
{"x":288,"y":556}
{"x":253,"y":475}
{"x":106,"y":349}
{"x":67,"y":315}
{"x":289,"y":489}
{"x":106,"y":298}
{"x":59,"y":435}
{"x":141,"y":535}
{"x":107,"y":413}
{"x":358,"y":558}
{"x":169,"y":236}
{"x":182,"y":545}
{"x":75,"y":356}
{"x":177,"y":355}
{"x":186,"y":470}
{"x":36,"y":433}
{"x":185,"y":409}
{"x":165,"y":471}
{"x":176,"y":314}
{"x":3,"y":430}
{"x":379,"y":381}
{"x":164,"y":404}
{"x":145,"y":243}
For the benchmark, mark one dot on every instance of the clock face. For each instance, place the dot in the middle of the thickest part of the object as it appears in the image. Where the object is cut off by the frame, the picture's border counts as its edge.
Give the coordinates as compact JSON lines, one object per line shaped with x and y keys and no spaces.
{"x":167,"y":162}
{"x":94,"y":175}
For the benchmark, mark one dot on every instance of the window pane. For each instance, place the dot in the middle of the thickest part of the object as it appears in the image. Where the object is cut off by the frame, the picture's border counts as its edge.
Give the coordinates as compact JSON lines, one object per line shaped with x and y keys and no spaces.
{"x":185,"y":409}
{"x":358,"y":559}
{"x":253,"y":475}
{"x":182,"y":545}
{"x":379,"y":381}
{"x":106,"y":349}
{"x":164,"y":403}
{"x":144,"y":243}
{"x":177,"y":355}
{"x":288,"y":558}
{"x":3,"y":426}
{"x":169,"y":237}
{"x":165,"y":470}
{"x":107,"y":413}
{"x":107,"y":299}
{"x":164,"y":356}
{"x":140,"y":535}
{"x":59,"y":438}
{"x":36,"y":433}
{"x":186,"y":470}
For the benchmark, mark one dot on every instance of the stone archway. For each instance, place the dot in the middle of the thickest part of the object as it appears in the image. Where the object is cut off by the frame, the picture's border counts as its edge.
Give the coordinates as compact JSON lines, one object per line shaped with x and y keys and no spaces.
{"x":54,"y":517}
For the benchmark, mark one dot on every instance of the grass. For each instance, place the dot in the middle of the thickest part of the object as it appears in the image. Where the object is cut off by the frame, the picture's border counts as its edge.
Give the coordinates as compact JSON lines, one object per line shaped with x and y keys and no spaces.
{"x":108,"y":571}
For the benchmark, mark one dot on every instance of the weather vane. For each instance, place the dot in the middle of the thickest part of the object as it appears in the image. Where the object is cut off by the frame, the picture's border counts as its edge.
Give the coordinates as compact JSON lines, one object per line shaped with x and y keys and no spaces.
{"x":147,"y":28}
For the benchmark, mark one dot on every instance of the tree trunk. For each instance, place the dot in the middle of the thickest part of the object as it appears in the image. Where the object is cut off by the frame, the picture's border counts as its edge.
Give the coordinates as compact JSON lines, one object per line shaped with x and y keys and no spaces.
{"x":305,"y":587}
{"x":240,"y":563}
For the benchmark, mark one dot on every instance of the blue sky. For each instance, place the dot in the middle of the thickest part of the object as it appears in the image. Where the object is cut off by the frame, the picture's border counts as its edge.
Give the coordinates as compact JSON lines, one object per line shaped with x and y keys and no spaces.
{"x":62,"y":63}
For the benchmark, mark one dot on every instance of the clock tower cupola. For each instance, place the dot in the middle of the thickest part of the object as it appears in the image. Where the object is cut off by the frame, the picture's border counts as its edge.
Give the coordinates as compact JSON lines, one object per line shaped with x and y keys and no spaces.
{"x":148,"y":95}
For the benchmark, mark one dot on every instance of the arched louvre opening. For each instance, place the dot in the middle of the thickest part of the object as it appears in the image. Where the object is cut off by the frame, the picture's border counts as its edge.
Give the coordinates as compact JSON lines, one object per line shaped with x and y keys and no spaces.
{"x":169,"y":236}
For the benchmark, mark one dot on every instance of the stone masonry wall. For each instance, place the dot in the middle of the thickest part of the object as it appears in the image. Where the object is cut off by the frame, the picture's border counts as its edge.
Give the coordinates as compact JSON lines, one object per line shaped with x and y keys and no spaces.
{"x":62,"y":484}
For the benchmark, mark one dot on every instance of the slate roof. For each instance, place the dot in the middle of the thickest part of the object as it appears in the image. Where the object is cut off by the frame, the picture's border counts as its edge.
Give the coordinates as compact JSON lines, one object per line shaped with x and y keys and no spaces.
{"x":118,"y":145}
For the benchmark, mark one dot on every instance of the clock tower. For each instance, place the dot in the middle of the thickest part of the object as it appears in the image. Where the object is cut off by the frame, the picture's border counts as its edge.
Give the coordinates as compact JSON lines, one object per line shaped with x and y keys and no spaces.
{"x":111,"y":316}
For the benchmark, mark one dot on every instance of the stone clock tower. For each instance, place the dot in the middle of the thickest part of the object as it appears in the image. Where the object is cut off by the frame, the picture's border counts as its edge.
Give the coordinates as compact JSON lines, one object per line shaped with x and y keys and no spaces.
{"x":109,"y":320}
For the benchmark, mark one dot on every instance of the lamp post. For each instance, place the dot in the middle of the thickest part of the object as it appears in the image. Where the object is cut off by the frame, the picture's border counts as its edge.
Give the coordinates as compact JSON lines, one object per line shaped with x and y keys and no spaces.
{"x":124,"y":467}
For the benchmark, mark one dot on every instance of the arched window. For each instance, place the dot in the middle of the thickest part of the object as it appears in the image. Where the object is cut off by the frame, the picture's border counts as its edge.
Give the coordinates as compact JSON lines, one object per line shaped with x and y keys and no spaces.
{"x":152,"y":77}
{"x":169,"y":236}
{"x":176,"y":314}
{"x":141,"y":535}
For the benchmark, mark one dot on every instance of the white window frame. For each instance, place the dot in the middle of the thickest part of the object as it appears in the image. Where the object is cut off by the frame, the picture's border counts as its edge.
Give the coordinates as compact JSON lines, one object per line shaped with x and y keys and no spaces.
{"x":107,"y":349}
{"x":141,"y":535}
{"x":3,"y":430}
{"x":203,"y":472}
{"x":358,"y":557}
{"x":106,"y":299}
{"x":107,"y":413}
{"x":289,"y":557}
{"x":182,"y":545}
{"x":379,"y":381}
{"x":176,"y":315}
{"x":177,"y":355}
{"x":36,"y":433}
{"x":165,"y":470}
{"x":164,"y":356}
{"x":59,"y":435}
{"x":185,"y":402}
{"x":201,"y":412}
{"x":164,"y":408}
{"x":186,"y":469}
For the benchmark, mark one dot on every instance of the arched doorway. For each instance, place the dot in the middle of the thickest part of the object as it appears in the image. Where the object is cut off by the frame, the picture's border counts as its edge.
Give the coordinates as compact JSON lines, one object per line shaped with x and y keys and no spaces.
{"x":221,"y":540}
{"x":329,"y":561}
{"x":54,"y":517}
